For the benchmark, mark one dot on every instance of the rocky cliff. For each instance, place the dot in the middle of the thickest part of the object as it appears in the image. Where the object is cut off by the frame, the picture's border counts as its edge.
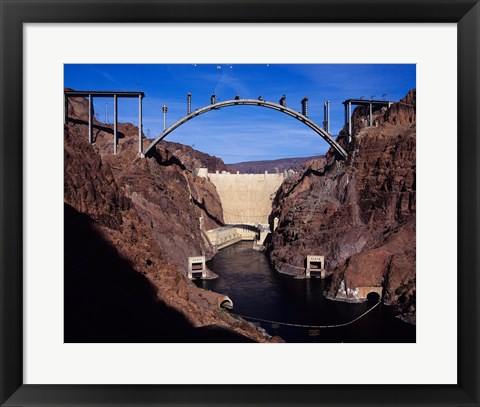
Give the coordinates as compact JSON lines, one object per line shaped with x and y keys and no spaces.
{"x":130,"y":224}
{"x":359,"y":213}
{"x":193,"y":159}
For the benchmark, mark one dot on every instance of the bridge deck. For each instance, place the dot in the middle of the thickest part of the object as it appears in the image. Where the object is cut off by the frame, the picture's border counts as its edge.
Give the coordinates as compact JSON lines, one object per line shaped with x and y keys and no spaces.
{"x":104,"y":93}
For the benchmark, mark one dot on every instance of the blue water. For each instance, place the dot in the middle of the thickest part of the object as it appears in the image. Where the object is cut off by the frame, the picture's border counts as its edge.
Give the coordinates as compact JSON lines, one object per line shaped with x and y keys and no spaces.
{"x":257,"y":290}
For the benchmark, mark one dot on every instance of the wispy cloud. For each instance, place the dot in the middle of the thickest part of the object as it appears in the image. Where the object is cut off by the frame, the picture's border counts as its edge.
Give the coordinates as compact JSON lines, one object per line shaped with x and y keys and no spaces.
{"x":104,"y":73}
{"x":228,"y":82}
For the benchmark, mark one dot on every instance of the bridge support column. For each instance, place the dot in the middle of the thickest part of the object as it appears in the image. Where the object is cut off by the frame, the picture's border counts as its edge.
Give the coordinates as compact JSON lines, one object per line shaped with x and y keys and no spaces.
{"x":305,"y":106}
{"x":328,"y":117}
{"x":164,"y":110}
{"x":325,"y":120}
{"x":115,"y":124}
{"x":65,"y":108}
{"x":349,"y":122}
{"x":140,"y":147}
{"x":371,"y":119}
{"x":90,"y":108}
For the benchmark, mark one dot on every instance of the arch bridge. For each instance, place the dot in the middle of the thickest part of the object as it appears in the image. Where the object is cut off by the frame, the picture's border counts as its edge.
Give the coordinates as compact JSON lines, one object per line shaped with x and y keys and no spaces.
{"x":250,"y":102}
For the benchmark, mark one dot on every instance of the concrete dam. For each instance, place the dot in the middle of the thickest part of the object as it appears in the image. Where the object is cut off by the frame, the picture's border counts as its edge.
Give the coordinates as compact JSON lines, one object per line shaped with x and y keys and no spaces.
{"x":246,"y":198}
{"x":246,"y":202}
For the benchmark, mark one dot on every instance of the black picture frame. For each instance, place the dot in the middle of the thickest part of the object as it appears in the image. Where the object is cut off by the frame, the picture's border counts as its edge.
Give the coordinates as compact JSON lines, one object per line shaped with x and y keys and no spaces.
{"x":14,"y":13}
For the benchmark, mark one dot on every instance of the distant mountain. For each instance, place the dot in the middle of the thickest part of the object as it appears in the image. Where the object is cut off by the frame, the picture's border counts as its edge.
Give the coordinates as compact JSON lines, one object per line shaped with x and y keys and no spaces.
{"x":272,"y":166}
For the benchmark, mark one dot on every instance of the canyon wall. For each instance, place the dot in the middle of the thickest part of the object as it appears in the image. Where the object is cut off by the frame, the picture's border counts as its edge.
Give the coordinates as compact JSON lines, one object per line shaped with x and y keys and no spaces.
{"x":359,"y":213}
{"x":130,"y":224}
{"x":192,"y":158}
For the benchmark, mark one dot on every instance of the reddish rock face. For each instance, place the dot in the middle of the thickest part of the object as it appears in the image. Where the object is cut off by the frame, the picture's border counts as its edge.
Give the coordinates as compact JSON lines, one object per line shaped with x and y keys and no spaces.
{"x":177,"y":206}
{"x":153,"y":212}
{"x":193,"y":159}
{"x":358,"y":213}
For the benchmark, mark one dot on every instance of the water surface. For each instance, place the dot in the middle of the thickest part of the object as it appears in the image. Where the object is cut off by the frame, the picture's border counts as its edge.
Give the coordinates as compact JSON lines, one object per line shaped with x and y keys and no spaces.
{"x":257,"y":290}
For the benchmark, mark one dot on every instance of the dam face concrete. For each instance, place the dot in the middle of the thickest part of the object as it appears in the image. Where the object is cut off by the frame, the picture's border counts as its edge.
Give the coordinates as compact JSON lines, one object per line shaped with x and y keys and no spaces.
{"x":246,"y":198}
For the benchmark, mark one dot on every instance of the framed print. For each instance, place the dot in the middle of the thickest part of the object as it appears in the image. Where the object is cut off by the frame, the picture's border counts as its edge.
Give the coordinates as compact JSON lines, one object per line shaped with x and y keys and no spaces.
{"x":88,"y":318}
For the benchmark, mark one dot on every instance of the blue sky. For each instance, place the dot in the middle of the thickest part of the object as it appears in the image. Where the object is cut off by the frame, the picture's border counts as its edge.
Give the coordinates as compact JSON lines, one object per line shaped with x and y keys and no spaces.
{"x":240,"y":133}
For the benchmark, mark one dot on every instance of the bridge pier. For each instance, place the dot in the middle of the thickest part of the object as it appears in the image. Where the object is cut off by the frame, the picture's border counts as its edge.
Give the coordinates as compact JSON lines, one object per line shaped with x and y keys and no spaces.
{"x":349,"y":122}
{"x":115,"y":124}
{"x":326,"y":116}
{"x":140,"y":146}
{"x":305,"y":106}
{"x":90,"y":128}
{"x":106,"y":94}
{"x":369,"y":111}
{"x":65,"y":108}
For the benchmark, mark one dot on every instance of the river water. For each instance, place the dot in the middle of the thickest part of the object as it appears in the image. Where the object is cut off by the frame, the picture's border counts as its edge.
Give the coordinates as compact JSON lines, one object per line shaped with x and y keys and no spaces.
{"x":257,"y":290}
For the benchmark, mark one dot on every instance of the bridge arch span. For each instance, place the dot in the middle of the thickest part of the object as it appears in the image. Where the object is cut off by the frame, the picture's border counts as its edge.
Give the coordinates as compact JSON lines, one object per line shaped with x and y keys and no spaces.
{"x":250,"y":102}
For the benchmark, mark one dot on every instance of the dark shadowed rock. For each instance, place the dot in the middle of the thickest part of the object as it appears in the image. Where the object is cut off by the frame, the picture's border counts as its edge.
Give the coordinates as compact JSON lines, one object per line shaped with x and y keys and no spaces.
{"x":130,"y":224}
